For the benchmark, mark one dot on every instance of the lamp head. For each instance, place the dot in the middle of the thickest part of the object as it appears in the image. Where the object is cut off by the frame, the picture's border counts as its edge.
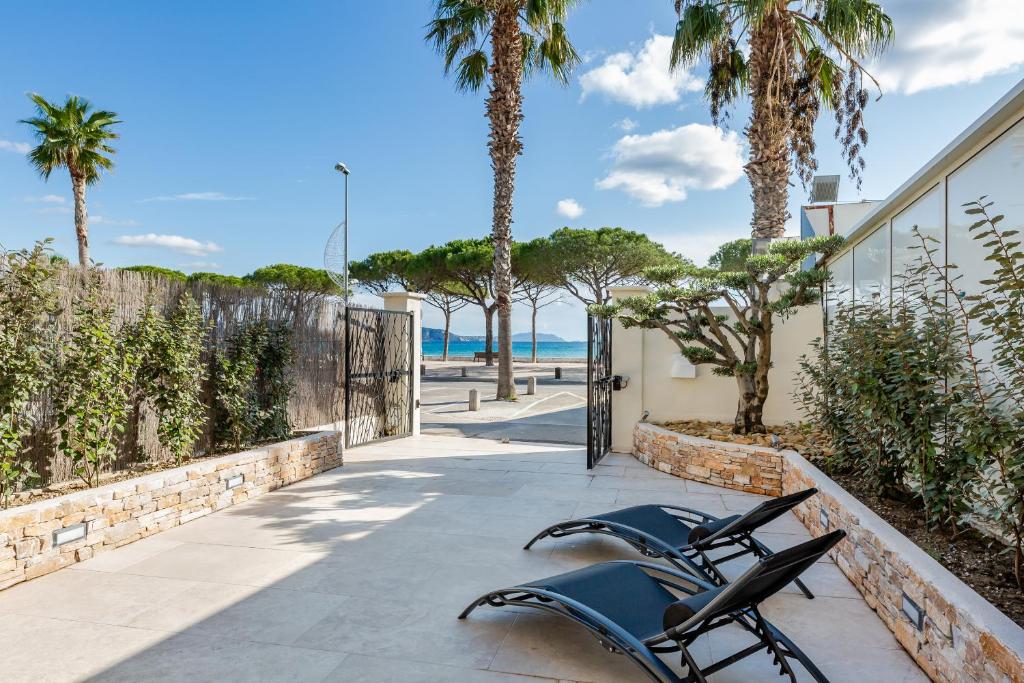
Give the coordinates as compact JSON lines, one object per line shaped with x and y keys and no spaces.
{"x":341,"y":167}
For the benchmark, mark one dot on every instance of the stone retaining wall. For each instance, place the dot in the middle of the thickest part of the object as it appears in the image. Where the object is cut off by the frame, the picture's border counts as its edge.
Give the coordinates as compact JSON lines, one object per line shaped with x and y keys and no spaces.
{"x":753,"y":469}
{"x":962,"y":637}
{"x":125,"y":511}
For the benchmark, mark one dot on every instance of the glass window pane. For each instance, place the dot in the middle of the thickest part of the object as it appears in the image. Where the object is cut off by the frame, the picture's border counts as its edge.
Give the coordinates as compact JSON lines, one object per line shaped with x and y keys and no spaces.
{"x":871,"y":266}
{"x":840,"y":287}
{"x":927,"y":214}
{"x":997,"y":173}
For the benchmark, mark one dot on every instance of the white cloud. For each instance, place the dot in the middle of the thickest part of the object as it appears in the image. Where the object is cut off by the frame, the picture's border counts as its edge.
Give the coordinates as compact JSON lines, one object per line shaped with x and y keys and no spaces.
{"x":46,"y":199}
{"x":642,"y":79}
{"x":182,"y":245}
{"x":197,"y":197}
{"x":662,"y":166}
{"x":947,"y":42}
{"x":569,"y":208}
{"x":626,"y":125}
{"x":16,"y":147}
{"x":203,"y":265}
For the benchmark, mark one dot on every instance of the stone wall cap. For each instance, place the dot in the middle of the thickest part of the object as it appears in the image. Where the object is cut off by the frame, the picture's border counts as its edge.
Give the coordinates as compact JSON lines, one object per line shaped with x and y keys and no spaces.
{"x":961,"y":596}
{"x":161,"y":475}
{"x":701,"y":441}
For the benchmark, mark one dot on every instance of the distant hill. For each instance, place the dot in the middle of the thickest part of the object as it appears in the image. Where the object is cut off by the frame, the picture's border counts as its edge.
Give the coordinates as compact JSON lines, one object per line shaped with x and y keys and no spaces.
{"x":541,"y":337}
{"x":431,"y":334}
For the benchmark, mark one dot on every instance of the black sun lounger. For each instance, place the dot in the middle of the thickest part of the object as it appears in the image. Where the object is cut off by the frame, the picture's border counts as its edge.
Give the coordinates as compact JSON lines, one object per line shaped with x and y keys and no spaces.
{"x":684,"y":536}
{"x":630,"y":607}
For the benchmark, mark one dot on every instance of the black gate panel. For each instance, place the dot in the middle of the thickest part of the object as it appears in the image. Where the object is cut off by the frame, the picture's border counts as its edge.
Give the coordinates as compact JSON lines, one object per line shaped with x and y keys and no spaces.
{"x":378,"y":375}
{"x":599,"y":388}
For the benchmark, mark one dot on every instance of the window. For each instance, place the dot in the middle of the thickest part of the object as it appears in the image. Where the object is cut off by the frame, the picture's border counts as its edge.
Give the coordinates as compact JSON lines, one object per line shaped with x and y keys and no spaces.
{"x":840,"y":286}
{"x":997,"y":172}
{"x":871,"y":266}
{"x":927,"y":214}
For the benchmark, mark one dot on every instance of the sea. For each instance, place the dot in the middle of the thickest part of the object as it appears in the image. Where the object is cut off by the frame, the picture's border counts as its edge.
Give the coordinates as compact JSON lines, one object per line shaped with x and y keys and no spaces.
{"x":519,"y":349}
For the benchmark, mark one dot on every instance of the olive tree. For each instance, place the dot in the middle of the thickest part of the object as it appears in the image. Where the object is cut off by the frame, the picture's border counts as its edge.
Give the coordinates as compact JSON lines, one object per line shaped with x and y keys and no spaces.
{"x":737,"y":344}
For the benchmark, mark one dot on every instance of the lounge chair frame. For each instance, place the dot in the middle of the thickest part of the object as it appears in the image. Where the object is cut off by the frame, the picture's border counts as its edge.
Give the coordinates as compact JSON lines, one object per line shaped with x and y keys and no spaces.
{"x":644,"y":653}
{"x":692,"y":558}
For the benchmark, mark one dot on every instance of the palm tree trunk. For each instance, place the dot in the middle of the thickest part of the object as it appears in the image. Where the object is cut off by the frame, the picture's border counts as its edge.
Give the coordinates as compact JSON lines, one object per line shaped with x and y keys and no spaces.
{"x":81,"y":219}
{"x":489,"y":335}
{"x":504,"y":109}
{"x":533,"y":335}
{"x":447,"y":333}
{"x":771,"y":84}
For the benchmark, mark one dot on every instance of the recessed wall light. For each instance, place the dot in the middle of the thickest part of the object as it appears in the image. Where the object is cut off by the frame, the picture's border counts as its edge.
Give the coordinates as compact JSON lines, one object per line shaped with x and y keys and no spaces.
{"x":913,"y":612}
{"x":75,"y":532}
{"x":823,"y":518}
{"x":235,"y":481}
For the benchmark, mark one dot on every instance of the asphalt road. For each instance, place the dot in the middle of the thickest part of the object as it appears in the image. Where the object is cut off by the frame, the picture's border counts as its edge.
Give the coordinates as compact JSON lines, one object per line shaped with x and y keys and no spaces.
{"x":555,"y":414}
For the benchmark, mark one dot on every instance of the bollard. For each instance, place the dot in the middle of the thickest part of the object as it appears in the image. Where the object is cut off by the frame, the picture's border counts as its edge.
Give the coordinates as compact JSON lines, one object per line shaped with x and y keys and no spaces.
{"x":465,"y":371}
{"x":531,"y":386}
{"x":423,"y":369}
{"x":474,"y":399}
{"x":558,"y":373}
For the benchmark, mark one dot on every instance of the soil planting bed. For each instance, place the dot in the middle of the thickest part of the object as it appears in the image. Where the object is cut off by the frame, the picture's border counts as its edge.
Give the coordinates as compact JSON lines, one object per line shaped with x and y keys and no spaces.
{"x":980,"y":562}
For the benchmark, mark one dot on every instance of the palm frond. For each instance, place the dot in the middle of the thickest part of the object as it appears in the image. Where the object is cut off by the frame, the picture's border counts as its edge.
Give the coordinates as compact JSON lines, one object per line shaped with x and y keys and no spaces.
{"x":457,"y":32}
{"x":472,"y":71}
{"x":71,"y":136}
{"x":556,"y":54}
{"x":861,"y":27}
{"x":700,"y":27}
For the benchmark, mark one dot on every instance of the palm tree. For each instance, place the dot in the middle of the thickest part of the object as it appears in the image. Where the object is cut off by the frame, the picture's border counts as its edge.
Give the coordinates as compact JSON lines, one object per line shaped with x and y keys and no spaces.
{"x":73,"y":136}
{"x":800,"y":55}
{"x":524,"y":36}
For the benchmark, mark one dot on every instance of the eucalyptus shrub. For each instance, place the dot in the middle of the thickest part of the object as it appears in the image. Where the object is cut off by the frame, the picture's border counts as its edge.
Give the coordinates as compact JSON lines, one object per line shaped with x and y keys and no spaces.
{"x":96,"y":375}
{"x":252,"y":384}
{"x":173,"y":376}
{"x":911,"y":405}
{"x":275,"y":383}
{"x":234,"y":379}
{"x":28,"y":304}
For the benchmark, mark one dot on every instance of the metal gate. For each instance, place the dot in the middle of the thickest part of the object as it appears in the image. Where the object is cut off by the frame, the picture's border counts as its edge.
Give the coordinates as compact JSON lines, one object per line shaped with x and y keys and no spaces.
{"x":378,"y":375}
{"x":599,"y":388}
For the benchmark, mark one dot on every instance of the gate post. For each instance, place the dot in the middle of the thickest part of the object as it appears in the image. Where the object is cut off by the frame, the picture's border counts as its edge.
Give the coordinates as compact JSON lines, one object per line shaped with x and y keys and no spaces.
{"x":627,"y":360}
{"x":411,"y":302}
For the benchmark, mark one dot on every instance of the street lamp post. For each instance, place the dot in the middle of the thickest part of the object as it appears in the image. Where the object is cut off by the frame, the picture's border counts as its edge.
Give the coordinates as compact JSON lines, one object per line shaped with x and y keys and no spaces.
{"x":344,"y":171}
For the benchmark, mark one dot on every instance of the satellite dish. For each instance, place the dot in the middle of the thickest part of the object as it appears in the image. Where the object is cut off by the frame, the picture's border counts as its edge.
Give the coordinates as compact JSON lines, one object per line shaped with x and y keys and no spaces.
{"x":336,"y":258}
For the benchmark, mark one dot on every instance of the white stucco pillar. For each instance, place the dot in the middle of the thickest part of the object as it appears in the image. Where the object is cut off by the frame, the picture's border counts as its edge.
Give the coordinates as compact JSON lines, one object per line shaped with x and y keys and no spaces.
{"x":628,"y":361}
{"x":411,"y":302}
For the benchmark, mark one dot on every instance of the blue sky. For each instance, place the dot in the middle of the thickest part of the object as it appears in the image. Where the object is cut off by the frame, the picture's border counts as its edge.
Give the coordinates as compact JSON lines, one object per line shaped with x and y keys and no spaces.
{"x":235,"y":113}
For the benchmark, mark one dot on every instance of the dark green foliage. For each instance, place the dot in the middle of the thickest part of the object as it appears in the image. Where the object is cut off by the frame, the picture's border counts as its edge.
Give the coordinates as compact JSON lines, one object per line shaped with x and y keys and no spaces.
{"x":97,"y":372}
{"x":28,"y":303}
{"x":172,"y":376}
{"x":294,"y":278}
{"x":252,"y":385}
{"x":219,"y":279}
{"x":732,"y":256}
{"x":588,"y":262}
{"x":737,"y":345}
{"x":384,"y":271}
{"x":168,"y":273}
{"x":912,"y":407}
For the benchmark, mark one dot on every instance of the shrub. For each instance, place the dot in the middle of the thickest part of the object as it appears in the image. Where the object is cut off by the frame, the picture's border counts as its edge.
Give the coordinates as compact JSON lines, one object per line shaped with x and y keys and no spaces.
{"x":912,"y":406}
{"x":173,"y":377}
{"x":28,"y":304}
{"x":252,"y":385}
{"x":95,"y":380}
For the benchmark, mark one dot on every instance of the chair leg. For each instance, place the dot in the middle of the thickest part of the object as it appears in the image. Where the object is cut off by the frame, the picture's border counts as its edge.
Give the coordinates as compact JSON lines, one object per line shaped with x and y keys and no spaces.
{"x":773,"y":646}
{"x":693,"y":673}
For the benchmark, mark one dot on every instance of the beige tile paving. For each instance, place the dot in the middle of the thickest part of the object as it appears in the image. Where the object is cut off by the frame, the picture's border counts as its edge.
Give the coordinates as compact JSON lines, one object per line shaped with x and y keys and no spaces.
{"x":357,"y":575}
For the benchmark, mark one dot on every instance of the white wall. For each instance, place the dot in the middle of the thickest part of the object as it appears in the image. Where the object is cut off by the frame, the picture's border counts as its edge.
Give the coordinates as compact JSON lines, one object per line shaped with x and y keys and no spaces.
{"x":647,"y":358}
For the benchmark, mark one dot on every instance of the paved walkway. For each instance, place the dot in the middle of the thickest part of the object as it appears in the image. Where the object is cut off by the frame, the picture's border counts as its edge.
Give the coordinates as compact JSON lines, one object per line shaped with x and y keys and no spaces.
{"x":555,"y":414}
{"x":357,"y":575}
